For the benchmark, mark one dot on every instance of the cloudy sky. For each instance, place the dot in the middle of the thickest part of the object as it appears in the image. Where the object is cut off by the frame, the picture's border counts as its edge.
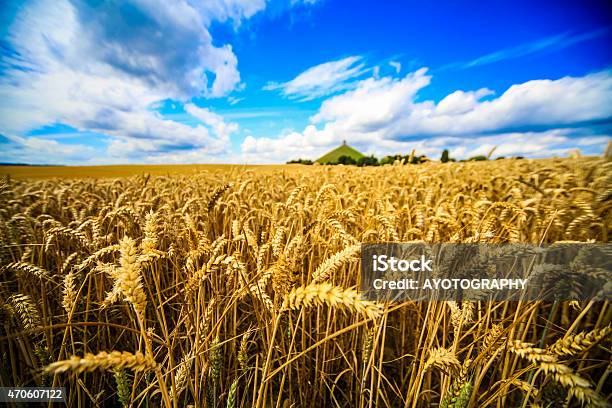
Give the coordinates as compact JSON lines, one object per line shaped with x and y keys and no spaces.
{"x":256,"y":81}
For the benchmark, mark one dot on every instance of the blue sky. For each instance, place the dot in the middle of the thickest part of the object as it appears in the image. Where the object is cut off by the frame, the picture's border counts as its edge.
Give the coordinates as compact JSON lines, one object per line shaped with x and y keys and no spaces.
{"x":235,"y":81}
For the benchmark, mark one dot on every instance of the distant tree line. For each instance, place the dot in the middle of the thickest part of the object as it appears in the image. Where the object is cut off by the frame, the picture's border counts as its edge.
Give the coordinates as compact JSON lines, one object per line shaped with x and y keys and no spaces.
{"x":300,"y":161}
{"x":404,"y":159}
{"x":360,"y":162}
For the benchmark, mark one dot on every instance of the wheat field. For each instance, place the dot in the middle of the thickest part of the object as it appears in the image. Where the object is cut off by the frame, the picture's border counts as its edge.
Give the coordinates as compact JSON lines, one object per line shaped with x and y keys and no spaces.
{"x":239,"y":288}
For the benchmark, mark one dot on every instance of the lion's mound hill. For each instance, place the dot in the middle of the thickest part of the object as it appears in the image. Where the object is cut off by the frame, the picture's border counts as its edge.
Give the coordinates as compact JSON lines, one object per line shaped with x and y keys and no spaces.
{"x":342,"y":150}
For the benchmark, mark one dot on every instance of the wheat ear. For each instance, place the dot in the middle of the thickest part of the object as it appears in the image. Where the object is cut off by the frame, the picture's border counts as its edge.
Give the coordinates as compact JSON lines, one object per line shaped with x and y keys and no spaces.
{"x":128,"y":277}
{"x":231,"y":396}
{"x":533,"y":354}
{"x":215,"y":356}
{"x":331,"y":265}
{"x":70,"y":292}
{"x":103,"y":361}
{"x":460,"y":391}
{"x":442,"y":359}
{"x":123,"y":387}
{"x":334,"y":296}
{"x":29,"y":268}
{"x":572,"y":345}
{"x":27,"y":311}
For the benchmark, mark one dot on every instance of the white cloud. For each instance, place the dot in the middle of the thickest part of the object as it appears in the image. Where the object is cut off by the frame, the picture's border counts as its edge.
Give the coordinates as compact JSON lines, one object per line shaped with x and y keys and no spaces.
{"x":269,"y":150}
{"x":382,"y":116}
{"x":234,"y":100}
{"x":307,"y":2}
{"x":460,"y":102}
{"x":374,"y":102}
{"x":39,"y":150}
{"x":388,"y":105}
{"x":546,"y":44}
{"x":103,"y":68}
{"x":396,"y":65}
{"x":223,"y":10}
{"x":321,"y":80}
{"x":539,"y":103}
{"x":222,"y":129}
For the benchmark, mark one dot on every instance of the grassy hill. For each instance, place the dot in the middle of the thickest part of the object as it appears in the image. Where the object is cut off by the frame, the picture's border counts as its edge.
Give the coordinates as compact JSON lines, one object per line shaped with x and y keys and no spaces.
{"x":343,"y":150}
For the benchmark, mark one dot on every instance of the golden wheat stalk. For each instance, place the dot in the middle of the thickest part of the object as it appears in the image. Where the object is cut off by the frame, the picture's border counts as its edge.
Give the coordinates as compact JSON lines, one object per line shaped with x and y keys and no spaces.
{"x":93,"y":258}
{"x":332,"y":264}
{"x":182,"y":375}
{"x":103,"y":361}
{"x":70,"y":293}
{"x":576,"y":385}
{"x":492,"y":341}
{"x":194,"y":281}
{"x":278,"y":240}
{"x":66,"y":265}
{"x":128,"y":277}
{"x":27,"y":311}
{"x":531,"y":353}
{"x":151,"y":230}
{"x":443,"y":359}
{"x":577,"y":343}
{"x":243,"y":351}
{"x":28,"y":268}
{"x":216,"y":195}
{"x":334,"y":296}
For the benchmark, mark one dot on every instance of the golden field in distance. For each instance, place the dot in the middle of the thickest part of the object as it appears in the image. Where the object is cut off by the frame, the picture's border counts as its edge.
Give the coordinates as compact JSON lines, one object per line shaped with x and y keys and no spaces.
{"x":217,"y":286}
{"x":45,"y":172}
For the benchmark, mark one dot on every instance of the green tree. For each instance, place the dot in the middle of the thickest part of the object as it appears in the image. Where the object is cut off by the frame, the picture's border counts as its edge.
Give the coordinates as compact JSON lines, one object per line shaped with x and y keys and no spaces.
{"x":346,"y":160}
{"x":300,"y":161}
{"x":387,"y":160}
{"x":444,"y":158}
{"x":419,"y":159}
{"x":367,"y":161}
{"x":392,"y":159}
